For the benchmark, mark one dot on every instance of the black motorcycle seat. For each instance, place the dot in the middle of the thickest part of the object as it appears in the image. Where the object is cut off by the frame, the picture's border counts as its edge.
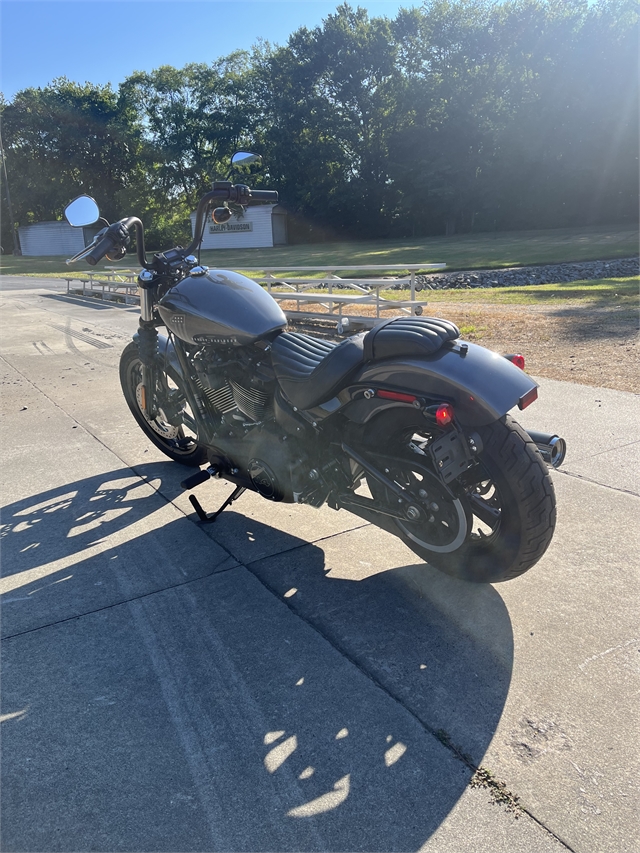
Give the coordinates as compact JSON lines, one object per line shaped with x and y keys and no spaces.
{"x":408,"y":336}
{"x":311,"y":370}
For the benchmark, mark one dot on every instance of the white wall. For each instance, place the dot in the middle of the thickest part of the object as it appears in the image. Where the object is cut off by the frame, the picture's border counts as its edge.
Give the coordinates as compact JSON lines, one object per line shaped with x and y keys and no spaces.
{"x":279,"y":222}
{"x":51,"y":238}
{"x":260,"y":236}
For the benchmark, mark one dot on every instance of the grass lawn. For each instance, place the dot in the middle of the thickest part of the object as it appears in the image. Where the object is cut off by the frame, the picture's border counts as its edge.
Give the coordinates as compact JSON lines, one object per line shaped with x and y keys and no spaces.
{"x":623,"y":292}
{"x":463,"y":252}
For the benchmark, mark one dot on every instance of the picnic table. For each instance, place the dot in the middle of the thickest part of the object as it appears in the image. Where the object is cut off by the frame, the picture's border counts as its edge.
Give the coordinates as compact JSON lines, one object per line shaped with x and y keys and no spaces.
{"x":118,"y":284}
{"x":367,"y":290}
{"x":109,"y":283}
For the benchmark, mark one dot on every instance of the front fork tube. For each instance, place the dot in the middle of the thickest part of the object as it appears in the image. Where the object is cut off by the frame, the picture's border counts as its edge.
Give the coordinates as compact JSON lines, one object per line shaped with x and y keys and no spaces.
{"x":148,"y":395}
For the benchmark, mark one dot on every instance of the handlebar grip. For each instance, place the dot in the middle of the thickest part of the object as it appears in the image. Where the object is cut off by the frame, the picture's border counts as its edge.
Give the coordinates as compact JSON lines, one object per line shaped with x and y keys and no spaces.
{"x":100,"y":250}
{"x":264,"y":195}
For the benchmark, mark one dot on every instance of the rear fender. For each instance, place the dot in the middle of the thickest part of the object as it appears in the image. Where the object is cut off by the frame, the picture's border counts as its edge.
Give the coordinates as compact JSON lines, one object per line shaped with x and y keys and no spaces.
{"x":481,"y":385}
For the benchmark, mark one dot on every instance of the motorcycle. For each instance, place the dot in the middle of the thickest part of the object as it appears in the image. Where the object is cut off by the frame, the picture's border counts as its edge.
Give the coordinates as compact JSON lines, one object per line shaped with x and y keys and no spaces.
{"x":405,"y":425}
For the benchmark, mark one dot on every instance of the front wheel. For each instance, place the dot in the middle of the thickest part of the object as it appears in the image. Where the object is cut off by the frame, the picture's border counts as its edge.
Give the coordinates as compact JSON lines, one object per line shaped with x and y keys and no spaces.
{"x":501,"y":518}
{"x":166,"y":430}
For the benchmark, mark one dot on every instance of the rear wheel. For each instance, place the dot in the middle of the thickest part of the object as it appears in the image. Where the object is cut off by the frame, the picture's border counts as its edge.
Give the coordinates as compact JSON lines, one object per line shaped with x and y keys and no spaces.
{"x":501,"y":517}
{"x":167,"y":430}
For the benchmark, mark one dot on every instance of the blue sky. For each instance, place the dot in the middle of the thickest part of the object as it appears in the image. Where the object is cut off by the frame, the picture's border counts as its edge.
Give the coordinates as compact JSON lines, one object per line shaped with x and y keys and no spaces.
{"x":106,"y":41}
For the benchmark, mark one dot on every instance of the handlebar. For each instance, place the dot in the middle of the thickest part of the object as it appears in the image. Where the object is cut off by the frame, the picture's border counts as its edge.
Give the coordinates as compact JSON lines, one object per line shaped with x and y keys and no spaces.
{"x":100,"y":250}
{"x":117,"y":234}
{"x":225,"y":191}
{"x":264,"y":195}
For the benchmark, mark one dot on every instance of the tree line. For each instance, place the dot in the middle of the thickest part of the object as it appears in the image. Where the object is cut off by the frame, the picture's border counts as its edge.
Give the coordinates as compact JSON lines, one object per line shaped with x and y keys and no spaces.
{"x":451,"y":117}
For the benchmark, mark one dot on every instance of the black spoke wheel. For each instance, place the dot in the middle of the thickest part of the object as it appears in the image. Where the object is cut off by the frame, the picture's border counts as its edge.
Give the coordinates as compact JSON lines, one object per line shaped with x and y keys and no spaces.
{"x":501,"y":517}
{"x":166,"y":430}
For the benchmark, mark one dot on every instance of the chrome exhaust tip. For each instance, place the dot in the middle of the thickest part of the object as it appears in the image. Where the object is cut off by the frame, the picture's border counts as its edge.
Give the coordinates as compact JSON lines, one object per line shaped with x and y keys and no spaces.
{"x":552,"y":448}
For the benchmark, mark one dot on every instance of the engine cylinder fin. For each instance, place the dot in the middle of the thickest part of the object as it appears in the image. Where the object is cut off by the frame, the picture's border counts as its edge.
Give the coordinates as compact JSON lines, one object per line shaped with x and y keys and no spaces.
{"x":253,"y":402}
{"x":221,"y":398}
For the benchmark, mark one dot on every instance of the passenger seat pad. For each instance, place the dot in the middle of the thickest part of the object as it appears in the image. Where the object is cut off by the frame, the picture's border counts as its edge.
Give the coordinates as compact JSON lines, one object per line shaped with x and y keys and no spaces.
{"x":411,"y":336}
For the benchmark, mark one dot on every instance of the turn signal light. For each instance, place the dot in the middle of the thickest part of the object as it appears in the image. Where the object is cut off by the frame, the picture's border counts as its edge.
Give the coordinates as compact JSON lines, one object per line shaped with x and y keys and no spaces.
{"x":444,"y":414}
{"x":516,"y":359}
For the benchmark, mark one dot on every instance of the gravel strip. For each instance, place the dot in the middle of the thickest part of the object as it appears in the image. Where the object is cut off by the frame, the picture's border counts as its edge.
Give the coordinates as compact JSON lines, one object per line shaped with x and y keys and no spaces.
{"x":519,"y":276}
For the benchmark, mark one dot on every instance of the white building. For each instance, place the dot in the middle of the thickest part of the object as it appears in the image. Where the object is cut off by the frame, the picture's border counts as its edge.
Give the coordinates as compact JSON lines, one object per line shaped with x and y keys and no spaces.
{"x":54,"y":238}
{"x":259,"y":227}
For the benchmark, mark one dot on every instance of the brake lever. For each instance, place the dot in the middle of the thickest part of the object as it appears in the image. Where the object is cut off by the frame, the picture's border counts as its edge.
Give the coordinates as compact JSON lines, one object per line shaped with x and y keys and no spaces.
{"x":86,"y":249}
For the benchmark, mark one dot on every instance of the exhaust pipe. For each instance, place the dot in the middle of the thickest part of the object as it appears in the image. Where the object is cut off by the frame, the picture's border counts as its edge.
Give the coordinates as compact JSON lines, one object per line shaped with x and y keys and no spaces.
{"x":552,"y":448}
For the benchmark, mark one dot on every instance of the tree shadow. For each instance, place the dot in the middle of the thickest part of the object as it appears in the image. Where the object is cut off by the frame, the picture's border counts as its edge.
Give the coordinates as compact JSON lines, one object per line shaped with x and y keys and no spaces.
{"x":81,"y":546}
{"x":598,"y":322}
{"x":75,"y":300}
{"x":194,"y":711}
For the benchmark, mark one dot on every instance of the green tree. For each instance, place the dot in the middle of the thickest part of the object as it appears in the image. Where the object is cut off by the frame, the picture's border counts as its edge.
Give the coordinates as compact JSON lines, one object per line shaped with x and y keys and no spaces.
{"x":567,"y":151}
{"x":456,"y":115}
{"x":441,"y":151}
{"x":327,"y":101}
{"x":194,"y":118}
{"x":67,"y":139}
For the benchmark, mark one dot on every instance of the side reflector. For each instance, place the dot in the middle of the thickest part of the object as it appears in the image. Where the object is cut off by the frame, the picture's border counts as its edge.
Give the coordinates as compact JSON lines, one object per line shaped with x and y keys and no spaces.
{"x":395,"y":395}
{"x":143,"y":398}
{"x":444,"y":414}
{"x":516,"y":359}
{"x":528,"y":398}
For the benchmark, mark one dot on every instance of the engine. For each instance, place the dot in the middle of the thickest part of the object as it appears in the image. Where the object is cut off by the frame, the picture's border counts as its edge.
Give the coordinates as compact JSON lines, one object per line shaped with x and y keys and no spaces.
{"x":237,"y":384}
{"x":238,"y":402}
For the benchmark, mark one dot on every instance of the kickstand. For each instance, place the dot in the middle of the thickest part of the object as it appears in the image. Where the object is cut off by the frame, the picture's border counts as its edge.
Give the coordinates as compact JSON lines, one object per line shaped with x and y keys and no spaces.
{"x":210,"y":517}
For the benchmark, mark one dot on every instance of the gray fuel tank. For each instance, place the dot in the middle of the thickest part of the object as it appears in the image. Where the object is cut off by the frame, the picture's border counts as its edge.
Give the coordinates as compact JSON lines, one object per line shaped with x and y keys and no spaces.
{"x":220,"y":307}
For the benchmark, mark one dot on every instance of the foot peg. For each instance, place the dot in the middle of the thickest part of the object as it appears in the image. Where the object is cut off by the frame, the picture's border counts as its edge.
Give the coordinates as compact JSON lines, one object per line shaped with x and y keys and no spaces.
{"x":195,"y":479}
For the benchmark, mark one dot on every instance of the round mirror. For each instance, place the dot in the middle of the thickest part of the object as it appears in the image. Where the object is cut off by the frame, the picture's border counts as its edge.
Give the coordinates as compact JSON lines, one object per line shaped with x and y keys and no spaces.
{"x":244,"y":158}
{"x":82,"y":211}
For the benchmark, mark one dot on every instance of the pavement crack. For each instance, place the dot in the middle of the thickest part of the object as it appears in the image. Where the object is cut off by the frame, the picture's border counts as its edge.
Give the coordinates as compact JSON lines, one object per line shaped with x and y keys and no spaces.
{"x":498,"y":791}
{"x":217,"y":571}
{"x":480,"y":776}
{"x":608,"y":450}
{"x":597,"y":483}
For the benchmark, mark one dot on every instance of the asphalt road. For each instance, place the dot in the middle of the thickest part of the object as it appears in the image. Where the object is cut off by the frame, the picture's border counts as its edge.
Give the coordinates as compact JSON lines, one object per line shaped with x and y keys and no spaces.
{"x":289,"y":678}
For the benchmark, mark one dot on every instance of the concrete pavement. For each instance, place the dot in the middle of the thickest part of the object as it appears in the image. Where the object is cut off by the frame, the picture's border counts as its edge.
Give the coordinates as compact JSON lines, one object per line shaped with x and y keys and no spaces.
{"x":294,"y":679}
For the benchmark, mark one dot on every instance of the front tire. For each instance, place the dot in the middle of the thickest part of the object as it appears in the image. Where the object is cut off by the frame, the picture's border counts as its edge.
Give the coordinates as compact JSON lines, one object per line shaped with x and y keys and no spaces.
{"x":172,"y":440}
{"x":508,"y":501}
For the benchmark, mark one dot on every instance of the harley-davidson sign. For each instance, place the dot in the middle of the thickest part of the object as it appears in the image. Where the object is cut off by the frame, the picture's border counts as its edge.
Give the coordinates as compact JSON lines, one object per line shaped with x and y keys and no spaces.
{"x":230,"y":226}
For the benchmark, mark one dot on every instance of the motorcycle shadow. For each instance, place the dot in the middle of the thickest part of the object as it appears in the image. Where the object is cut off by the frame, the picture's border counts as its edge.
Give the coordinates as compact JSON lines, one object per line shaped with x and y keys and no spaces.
{"x":441,"y":647}
{"x":327,"y":762}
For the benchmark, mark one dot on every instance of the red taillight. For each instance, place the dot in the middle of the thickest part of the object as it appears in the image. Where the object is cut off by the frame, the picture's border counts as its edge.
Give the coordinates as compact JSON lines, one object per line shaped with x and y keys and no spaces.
{"x":444,"y":414}
{"x":395,"y":395}
{"x":516,"y":359}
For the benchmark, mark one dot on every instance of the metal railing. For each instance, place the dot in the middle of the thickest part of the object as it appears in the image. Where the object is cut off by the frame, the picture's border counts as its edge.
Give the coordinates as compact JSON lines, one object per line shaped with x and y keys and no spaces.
{"x":328,"y":293}
{"x":332,"y":298}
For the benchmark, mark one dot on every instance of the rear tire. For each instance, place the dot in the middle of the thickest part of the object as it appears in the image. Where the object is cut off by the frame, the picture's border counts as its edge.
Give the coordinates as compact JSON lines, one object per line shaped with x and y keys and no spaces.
{"x":511,"y":481}
{"x":171,"y":440}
